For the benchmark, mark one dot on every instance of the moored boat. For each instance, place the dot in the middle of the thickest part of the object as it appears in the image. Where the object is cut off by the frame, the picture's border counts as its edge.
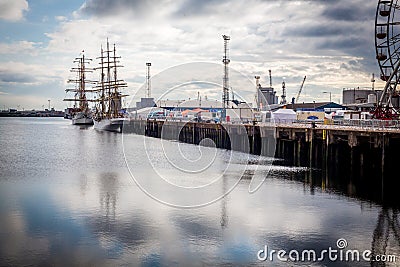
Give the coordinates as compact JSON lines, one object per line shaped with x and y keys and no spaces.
{"x":109,"y":114}
{"x":82,"y":118}
{"x":112,"y":125}
{"x":80,"y":114}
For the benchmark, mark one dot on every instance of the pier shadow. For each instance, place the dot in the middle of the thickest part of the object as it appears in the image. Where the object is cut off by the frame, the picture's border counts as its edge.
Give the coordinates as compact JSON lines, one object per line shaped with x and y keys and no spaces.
{"x":367,"y":185}
{"x":386,"y":237}
{"x":370,"y":185}
{"x":356,"y":172}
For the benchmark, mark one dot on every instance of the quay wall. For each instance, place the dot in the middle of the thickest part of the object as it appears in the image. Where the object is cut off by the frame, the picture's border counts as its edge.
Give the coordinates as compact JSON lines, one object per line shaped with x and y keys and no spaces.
{"x":354,"y":150}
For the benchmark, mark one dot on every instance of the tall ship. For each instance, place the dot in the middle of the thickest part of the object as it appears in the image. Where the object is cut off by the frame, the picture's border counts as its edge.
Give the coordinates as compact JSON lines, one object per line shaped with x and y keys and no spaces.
{"x":80,"y":114}
{"x":109,"y":115}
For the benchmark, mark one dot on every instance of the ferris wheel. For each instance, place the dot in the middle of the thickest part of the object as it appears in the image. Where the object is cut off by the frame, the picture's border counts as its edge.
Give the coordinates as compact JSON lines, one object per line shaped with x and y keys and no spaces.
{"x":387,"y":45}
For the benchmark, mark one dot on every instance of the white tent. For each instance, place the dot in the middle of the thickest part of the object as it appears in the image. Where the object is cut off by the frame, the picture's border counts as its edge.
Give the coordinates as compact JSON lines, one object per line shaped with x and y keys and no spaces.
{"x":283,"y":115}
{"x":144,"y":112}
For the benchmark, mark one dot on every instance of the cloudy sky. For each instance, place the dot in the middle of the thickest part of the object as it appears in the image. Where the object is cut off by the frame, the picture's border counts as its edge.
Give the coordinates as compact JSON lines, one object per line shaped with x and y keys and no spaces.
{"x":331,"y":41}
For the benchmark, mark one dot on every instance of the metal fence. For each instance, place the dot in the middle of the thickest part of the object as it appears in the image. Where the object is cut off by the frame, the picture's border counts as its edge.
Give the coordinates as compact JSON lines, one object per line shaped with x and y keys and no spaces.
{"x":354,"y":123}
{"x":376,"y":124}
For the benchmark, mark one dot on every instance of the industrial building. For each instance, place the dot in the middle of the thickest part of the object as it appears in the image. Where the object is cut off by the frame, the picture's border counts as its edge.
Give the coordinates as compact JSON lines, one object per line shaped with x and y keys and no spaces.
{"x":214,"y":105}
{"x":145,"y":102}
{"x":364,"y":98}
{"x":265,"y":95}
{"x":320,"y":106}
{"x":359,"y":95}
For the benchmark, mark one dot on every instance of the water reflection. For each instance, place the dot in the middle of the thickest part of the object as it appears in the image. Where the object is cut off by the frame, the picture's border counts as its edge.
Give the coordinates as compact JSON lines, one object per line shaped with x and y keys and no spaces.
{"x":386,"y":239}
{"x":77,"y":205}
{"x":85,"y":127}
{"x":368,"y":186}
{"x":108,"y":194}
{"x":83,"y":184}
{"x":224,"y":200}
{"x":36,"y":231}
{"x":122,"y":228}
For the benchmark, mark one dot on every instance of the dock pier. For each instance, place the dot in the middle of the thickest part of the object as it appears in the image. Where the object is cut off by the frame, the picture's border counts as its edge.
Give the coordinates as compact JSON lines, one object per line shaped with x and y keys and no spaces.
{"x":355,"y":148}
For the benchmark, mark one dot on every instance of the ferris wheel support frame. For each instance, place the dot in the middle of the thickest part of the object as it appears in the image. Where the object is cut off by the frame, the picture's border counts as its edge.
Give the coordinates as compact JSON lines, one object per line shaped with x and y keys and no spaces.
{"x":384,"y":20}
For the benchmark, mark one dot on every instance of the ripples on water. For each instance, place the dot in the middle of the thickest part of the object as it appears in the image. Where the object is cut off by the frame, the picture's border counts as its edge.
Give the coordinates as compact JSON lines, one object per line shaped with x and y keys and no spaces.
{"x":67,"y":198}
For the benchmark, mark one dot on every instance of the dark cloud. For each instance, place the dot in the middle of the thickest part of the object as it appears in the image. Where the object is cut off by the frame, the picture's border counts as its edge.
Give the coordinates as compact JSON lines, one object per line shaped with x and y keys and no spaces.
{"x":190,"y":7}
{"x":146,"y":8}
{"x":16,"y":78}
{"x":339,"y":28}
{"x":196,"y":8}
{"x":317,"y":27}
{"x":115,"y":7}
{"x":350,"y":11}
{"x":342,"y":43}
{"x":317,"y":30}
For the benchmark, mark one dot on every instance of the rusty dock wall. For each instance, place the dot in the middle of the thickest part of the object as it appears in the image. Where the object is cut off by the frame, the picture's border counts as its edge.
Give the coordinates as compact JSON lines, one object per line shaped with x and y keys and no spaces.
{"x":353,"y":149}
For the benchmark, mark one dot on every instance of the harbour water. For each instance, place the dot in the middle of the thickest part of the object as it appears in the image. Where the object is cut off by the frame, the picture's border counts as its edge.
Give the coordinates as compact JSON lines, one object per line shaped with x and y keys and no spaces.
{"x":67,"y":198}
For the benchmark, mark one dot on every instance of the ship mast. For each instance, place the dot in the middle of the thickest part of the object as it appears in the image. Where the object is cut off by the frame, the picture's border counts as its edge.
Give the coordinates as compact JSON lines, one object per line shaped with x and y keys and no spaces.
{"x":80,"y":82}
{"x":116,"y":93}
{"x":108,"y":80}
{"x":109,"y":85}
{"x":103,"y":89}
{"x":83,"y":105}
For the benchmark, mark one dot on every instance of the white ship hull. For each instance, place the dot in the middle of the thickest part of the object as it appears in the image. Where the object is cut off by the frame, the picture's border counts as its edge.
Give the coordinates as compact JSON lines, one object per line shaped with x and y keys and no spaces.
{"x":112,"y":125}
{"x":82,"y":119}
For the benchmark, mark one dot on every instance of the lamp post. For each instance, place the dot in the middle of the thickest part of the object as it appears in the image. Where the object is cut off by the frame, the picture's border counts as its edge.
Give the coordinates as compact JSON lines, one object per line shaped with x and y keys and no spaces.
{"x":330,"y":95}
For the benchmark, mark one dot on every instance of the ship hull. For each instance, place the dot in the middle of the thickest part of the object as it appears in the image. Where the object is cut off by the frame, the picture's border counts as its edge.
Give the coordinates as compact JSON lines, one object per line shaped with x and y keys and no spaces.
{"x":82,"y":121}
{"x":82,"y":118}
{"x":111,"y":125}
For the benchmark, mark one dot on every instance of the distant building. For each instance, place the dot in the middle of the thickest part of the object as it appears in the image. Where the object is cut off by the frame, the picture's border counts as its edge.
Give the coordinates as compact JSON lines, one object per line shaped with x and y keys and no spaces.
{"x":192,"y":104}
{"x":364,"y":98}
{"x":145,"y":102}
{"x":266,"y":96}
{"x":357,"y":95}
{"x":235,"y":111}
{"x":316,"y":106}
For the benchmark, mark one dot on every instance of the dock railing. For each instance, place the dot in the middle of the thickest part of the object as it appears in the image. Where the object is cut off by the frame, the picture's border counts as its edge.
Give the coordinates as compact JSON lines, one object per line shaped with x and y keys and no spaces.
{"x":389,"y":125}
{"x":343,"y":123}
{"x":374,"y":124}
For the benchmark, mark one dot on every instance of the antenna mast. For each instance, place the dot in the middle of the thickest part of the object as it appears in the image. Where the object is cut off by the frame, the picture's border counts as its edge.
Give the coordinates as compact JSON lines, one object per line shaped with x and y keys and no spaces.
{"x":373,"y":81}
{"x":283,"y":96}
{"x":148,"y":82}
{"x":257,"y":97}
{"x":270,"y":78}
{"x":225,"y":61}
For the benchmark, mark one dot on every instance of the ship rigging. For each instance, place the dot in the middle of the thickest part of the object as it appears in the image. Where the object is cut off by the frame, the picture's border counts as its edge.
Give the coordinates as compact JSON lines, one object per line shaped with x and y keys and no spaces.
{"x":80,"y":114}
{"x":109,"y":114}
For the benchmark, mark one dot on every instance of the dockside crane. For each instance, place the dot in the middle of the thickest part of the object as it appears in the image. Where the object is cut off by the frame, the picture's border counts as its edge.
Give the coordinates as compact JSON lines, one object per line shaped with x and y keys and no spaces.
{"x":301,"y":88}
